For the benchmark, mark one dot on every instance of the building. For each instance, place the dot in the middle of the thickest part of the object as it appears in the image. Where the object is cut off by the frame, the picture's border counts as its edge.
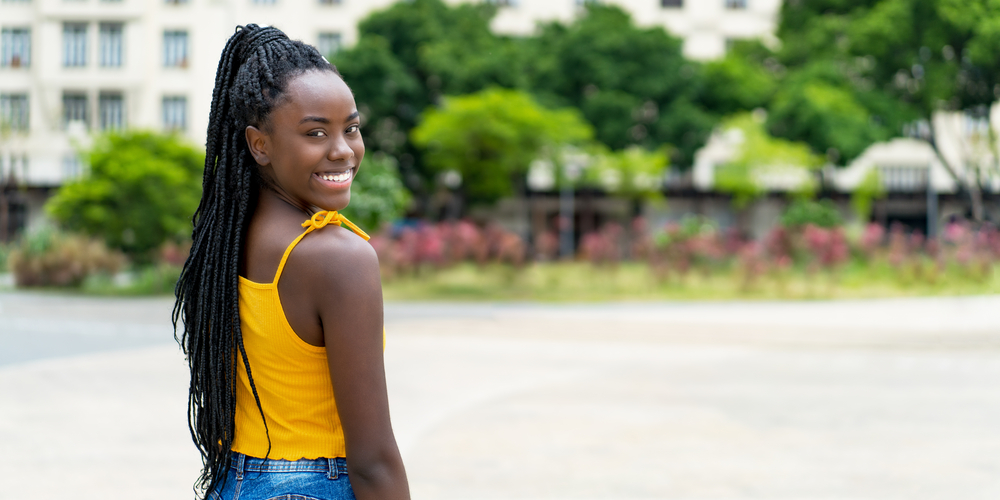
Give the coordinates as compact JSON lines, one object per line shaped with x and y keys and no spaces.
{"x":71,"y":68}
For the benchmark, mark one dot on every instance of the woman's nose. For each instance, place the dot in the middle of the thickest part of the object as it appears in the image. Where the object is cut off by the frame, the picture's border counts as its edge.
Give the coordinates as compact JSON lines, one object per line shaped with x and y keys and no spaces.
{"x":340,"y":149}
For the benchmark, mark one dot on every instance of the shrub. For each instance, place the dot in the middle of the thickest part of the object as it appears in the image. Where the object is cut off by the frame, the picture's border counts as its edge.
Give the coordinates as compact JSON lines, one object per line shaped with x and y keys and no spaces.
{"x":51,"y":258}
{"x":140,"y":191}
{"x":4,"y":254}
{"x":377,"y":195}
{"x":821,"y":213}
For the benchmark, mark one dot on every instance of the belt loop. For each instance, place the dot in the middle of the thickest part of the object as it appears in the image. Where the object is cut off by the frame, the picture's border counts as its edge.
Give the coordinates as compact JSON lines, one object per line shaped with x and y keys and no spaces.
{"x":240,"y":464}
{"x":331,"y":472}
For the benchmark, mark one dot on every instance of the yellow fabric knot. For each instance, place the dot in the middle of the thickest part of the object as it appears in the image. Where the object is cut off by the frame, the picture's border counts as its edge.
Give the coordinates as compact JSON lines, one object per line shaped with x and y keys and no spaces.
{"x":319,"y":220}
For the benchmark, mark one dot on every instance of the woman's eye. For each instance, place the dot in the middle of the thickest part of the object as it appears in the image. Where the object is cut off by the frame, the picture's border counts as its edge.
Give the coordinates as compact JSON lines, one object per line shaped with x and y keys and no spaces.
{"x":352,"y":129}
{"x":317,"y":133}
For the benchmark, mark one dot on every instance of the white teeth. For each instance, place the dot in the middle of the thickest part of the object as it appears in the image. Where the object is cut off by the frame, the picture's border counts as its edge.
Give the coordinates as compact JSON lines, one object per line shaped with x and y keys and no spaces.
{"x":341,"y":177}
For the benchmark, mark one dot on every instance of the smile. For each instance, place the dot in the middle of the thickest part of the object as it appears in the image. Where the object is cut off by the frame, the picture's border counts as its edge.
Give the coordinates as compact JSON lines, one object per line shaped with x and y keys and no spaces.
{"x":338,"y":177}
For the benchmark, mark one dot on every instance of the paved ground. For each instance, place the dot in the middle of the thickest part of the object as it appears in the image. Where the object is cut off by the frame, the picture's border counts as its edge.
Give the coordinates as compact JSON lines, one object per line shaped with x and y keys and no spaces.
{"x":895,"y":399}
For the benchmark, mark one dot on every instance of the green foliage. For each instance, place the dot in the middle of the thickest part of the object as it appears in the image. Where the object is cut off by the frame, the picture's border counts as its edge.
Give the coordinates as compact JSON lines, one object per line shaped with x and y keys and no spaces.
{"x":762,"y":158}
{"x":48,"y":257}
{"x":746,"y":78}
{"x":817,"y":106}
{"x":381,"y":84}
{"x":869,"y":190}
{"x":491,"y":137}
{"x":140,"y":191}
{"x":4,"y":254}
{"x":377,"y":194}
{"x":633,"y":84}
{"x":858,"y":70}
{"x":822,"y":213}
{"x":632,"y":172}
{"x":158,"y":279}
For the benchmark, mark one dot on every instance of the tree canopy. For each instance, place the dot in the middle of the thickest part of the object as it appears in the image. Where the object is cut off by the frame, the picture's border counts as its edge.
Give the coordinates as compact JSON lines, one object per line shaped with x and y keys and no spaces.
{"x":140,"y":191}
{"x":491,"y":137}
{"x":631,"y":84}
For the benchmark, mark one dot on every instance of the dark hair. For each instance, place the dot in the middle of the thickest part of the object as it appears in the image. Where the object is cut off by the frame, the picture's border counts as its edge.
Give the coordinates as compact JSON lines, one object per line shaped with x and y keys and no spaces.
{"x":253,"y":73}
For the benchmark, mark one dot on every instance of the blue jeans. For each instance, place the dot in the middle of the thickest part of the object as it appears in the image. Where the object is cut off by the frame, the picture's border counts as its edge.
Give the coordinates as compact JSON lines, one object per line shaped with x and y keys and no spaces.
{"x":257,"y":479}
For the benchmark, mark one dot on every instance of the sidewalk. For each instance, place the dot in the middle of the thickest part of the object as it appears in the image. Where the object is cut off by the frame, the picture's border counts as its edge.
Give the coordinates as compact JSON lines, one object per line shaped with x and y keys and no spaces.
{"x":678,"y":401}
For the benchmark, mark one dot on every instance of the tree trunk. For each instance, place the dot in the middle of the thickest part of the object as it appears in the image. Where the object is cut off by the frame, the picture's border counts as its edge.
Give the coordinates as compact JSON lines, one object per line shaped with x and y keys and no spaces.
{"x":970,"y":185}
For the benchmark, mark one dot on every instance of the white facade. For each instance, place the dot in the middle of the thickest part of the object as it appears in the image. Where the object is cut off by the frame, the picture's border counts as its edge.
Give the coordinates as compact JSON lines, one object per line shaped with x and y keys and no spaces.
{"x":168,"y":50}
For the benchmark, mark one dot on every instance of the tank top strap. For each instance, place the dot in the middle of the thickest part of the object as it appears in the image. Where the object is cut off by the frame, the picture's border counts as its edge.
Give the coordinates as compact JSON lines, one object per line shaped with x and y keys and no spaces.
{"x":318,"y":220}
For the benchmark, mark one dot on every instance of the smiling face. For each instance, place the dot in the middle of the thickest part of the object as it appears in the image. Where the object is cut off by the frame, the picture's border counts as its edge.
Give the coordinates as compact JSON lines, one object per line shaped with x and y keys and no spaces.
{"x":312,"y":146}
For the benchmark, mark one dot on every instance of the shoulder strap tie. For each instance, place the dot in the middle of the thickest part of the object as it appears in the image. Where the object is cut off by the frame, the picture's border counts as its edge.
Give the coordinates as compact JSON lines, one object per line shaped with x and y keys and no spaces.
{"x":319,"y":220}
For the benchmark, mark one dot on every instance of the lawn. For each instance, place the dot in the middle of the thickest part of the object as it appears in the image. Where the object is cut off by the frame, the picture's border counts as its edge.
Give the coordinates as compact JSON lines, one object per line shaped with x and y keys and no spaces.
{"x":582,"y":282}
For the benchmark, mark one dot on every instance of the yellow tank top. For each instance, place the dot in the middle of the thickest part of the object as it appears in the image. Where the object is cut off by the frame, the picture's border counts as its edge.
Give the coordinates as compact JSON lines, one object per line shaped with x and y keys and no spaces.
{"x":292,"y":376}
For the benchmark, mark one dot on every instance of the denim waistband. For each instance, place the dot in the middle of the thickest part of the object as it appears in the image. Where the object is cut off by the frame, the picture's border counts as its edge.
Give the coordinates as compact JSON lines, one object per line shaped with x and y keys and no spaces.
{"x":333,"y":467}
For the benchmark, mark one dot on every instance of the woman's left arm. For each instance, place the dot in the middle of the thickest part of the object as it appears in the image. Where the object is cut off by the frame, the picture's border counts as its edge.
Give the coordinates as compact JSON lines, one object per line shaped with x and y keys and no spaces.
{"x":349,"y":301}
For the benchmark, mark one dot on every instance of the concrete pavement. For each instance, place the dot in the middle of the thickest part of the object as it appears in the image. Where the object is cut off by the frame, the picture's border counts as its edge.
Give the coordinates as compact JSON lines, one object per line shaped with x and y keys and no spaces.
{"x":896,"y":399}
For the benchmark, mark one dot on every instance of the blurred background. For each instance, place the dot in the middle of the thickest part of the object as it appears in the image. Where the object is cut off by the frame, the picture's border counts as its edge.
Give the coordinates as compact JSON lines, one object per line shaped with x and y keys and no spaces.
{"x":596,"y":223}
{"x":766,"y":144}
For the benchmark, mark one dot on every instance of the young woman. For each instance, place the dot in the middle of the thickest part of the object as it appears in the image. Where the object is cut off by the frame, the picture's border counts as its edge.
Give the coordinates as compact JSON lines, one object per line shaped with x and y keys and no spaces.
{"x":280,"y":300}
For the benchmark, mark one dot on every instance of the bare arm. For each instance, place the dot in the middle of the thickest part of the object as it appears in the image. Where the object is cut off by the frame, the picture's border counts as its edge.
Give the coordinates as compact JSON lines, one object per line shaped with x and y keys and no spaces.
{"x":349,"y":301}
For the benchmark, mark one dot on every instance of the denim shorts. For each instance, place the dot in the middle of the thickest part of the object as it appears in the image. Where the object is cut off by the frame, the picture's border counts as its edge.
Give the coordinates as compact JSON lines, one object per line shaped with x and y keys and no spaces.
{"x":252,"y":478}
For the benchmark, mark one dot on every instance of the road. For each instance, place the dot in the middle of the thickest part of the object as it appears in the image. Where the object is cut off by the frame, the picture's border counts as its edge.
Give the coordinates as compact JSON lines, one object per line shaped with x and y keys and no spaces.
{"x":889,"y":399}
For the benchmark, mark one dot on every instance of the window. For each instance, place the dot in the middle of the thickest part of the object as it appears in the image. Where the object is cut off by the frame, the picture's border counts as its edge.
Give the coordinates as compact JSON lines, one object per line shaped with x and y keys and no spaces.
{"x":504,"y":3}
{"x":736,"y":4}
{"x":330,"y":2}
{"x":175,"y":49}
{"x":15,"y":43}
{"x":175,"y":2}
{"x":74,"y":108}
{"x":264,"y":2}
{"x":111,"y":45}
{"x":672,"y":4}
{"x":111,"y":108}
{"x":74,"y":44}
{"x":14,"y":111}
{"x":175,"y":113}
{"x":328,"y":44}
{"x":72,"y":167}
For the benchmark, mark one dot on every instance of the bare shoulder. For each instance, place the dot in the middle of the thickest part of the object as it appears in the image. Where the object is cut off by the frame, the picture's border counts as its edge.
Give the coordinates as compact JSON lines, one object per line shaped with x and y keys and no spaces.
{"x":337,"y":260}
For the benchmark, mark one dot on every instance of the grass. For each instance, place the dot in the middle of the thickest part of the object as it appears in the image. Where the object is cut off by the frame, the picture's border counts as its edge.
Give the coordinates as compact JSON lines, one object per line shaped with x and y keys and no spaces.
{"x":581,"y":282}
{"x":149,"y":280}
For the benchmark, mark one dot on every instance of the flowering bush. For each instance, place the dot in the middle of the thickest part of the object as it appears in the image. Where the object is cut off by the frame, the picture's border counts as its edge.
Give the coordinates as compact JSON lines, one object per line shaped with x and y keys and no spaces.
{"x":51,"y":258}
{"x":410,"y":248}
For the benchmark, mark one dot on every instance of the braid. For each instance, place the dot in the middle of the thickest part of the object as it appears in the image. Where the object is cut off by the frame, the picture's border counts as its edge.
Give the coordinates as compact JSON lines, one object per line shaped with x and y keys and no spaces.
{"x":254,"y":70}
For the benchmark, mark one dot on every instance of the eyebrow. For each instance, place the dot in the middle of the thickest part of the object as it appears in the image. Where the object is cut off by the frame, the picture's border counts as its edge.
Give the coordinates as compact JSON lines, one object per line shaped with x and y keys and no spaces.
{"x":321,"y":119}
{"x":314,"y":119}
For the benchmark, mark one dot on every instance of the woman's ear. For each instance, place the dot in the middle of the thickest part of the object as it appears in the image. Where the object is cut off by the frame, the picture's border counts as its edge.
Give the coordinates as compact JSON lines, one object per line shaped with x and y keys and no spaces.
{"x":258,"y":144}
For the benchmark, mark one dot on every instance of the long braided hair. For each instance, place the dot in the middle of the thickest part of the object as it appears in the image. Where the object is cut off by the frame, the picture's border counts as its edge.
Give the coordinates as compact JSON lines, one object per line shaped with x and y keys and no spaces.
{"x":253,"y":73}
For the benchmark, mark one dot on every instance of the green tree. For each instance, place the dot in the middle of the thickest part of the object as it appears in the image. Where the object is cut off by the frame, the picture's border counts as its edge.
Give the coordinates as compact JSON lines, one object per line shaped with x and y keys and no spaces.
{"x":632,"y":84}
{"x":859,"y":70}
{"x":140,"y":191}
{"x":633,"y":172}
{"x":377,"y":194}
{"x":762,"y":159}
{"x":745,"y":79}
{"x":411,"y":54}
{"x":491,"y":137}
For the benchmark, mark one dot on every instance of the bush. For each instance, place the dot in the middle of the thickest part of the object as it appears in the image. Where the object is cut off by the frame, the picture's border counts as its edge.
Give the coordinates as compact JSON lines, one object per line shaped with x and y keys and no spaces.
{"x":51,"y":258}
{"x":377,"y":195}
{"x":140,"y":191}
{"x":821,"y":213}
{"x":156,"y":279}
{"x":4,"y":255}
